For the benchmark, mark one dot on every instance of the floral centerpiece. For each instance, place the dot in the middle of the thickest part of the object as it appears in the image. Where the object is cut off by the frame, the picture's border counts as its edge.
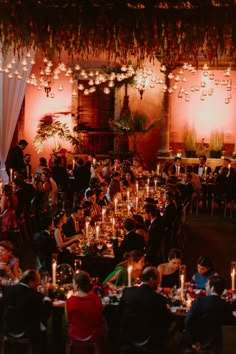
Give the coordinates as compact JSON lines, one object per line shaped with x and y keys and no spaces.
{"x":189,"y":139}
{"x":216,"y":143}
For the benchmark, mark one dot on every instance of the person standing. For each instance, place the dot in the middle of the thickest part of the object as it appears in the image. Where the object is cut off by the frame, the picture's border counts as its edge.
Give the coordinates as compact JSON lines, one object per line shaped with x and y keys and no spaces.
{"x":15,"y":159}
{"x":206,"y":316}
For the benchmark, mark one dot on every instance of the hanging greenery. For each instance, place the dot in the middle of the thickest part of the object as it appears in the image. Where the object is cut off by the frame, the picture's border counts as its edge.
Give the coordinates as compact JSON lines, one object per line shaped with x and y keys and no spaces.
{"x":170,"y":29}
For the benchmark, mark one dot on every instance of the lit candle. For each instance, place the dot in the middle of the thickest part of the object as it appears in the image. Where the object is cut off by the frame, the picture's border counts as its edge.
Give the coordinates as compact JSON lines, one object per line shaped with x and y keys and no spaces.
{"x":181,"y":286}
{"x":155,"y":184}
{"x":229,"y":166}
{"x":54,"y":269}
{"x":87,"y":229}
{"x":148,"y":181}
{"x":233,"y":279}
{"x":147,"y":190}
{"x":113,"y":225}
{"x":137,"y":187}
{"x":103,"y":213}
{"x":130,"y":268}
{"x":115,"y":203}
{"x":0,"y":188}
{"x":97,"y":230}
{"x":205,"y":171}
{"x":158,"y":169}
{"x":11,"y":175}
{"x":94,"y":161}
{"x":128,"y":194}
{"x":73,"y":164}
{"x":136,"y":203}
{"x":128,"y":209}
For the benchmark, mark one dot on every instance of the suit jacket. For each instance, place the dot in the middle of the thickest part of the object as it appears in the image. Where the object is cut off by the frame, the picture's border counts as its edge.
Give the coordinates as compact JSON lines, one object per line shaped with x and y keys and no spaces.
{"x":69,"y":227}
{"x":173,"y":169}
{"x":144,"y":313}
{"x":15,"y":160}
{"x":156,"y":234}
{"x":44,"y":245}
{"x":197,"y":167}
{"x":24,"y":308}
{"x":131,"y":241}
{"x":204,"y":320}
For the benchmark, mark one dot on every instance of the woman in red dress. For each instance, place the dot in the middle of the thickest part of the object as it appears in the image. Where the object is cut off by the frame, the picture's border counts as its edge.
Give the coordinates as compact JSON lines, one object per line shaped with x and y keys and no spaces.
{"x":84,"y":313}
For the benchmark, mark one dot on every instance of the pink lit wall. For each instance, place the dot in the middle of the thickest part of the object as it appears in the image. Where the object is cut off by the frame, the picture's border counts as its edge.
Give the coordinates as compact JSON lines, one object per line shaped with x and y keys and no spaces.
{"x":208,"y":115}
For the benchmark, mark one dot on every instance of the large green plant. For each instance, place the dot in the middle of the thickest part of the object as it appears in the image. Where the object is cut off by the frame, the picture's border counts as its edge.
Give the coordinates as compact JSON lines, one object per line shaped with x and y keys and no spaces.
{"x":135,"y":126}
{"x":51,"y":128}
{"x":189,"y":140}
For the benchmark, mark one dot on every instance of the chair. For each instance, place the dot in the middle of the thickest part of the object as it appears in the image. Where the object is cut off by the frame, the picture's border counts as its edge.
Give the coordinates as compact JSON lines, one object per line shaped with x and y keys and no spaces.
{"x":15,"y":335}
{"x":81,"y":346}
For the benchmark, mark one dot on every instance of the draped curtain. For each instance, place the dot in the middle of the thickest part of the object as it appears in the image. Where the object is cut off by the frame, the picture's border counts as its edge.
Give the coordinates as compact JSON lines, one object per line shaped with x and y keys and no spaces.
{"x":12,"y":92}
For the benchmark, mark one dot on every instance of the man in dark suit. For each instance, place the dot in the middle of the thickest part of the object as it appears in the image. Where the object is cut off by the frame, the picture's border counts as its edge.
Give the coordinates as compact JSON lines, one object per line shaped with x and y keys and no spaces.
{"x":60,"y":175}
{"x":206,"y":316}
{"x":225,"y":164}
{"x":176,"y":169}
{"x":156,"y":235}
{"x":25,"y":309}
{"x":202,"y":169}
{"x":81,"y":175}
{"x":75,"y":222}
{"x":27,"y":172}
{"x":132,"y":241}
{"x":15,"y":159}
{"x":144,"y":314}
{"x":44,"y":244}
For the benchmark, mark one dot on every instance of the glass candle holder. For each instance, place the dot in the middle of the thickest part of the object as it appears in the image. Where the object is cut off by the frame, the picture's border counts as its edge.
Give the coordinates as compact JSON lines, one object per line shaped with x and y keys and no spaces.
{"x":233,"y":274}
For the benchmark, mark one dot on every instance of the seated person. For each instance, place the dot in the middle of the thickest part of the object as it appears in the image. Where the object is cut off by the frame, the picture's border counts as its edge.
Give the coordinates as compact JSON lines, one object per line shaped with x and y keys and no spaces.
{"x":176,"y":169}
{"x":25,"y":309}
{"x":144,"y":314}
{"x":9,"y":264}
{"x":206,"y":316}
{"x":84,"y":313}
{"x":131,"y":241}
{"x":226,"y":163}
{"x":61,"y":240}
{"x":202,"y":170}
{"x":119,"y":276}
{"x":169,"y":272}
{"x":205,"y":269}
{"x":75,"y":222}
{"x":44,"y":244}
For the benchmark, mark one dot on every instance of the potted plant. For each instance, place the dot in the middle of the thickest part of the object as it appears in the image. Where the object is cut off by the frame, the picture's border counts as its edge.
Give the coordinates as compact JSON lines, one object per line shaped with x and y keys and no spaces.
{"x":51,"y":128}
{"x":134,"y":126}
{"x":189,"y":140}
{"x":216,"y":143}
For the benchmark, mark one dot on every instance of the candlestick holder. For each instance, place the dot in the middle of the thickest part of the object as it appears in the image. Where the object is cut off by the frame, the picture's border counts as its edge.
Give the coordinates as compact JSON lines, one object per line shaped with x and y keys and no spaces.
{"x":182,"y":276}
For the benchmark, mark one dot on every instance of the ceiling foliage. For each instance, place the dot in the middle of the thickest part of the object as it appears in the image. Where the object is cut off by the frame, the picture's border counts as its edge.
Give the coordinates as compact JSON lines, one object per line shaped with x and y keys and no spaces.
{"x":170,"y":30}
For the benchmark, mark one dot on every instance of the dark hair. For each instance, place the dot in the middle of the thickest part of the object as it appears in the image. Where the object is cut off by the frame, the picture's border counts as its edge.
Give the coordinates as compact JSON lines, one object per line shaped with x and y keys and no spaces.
{"x":129,"y":224}
{"x":58,"y":160}
{"x":7,"y":245}
{"x":203,"y":157}
{"x":76,"y":208}
{"x":43,"y":161}
{"x":151,"y":201}
{"x":204,"y":261}
{"x":82,"y":280}
{"x":28,"y":276}
{"x":138,"y":219}
{"x":80,"y":161}
{"x":46,"y":222}
{"x":134,"y":255}
{"x":189,"y":169}
{"x":89,"y":193}
{"x":177,"y":158}
{"x":7,"y":189}
{"x":148,"y":273}
{"x":23,"y":142}
{"x":175,"y":253}
{"x":58,"y":216}
{"x":189,"y":176}
{"x":218,"y":283}
{"x":150,"y":208}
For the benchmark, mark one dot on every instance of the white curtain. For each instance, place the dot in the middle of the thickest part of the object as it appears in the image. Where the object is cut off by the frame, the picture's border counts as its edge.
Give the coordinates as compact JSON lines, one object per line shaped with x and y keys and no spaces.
{"x":12,"y":92}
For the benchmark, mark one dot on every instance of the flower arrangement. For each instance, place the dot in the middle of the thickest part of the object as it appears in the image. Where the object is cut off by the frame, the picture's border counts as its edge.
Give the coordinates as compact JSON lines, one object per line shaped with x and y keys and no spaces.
{"x":216,"y":143}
